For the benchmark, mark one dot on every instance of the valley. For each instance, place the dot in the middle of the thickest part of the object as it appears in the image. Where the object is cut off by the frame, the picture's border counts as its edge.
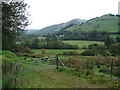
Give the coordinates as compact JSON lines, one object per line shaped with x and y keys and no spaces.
{"x":75,"y":54}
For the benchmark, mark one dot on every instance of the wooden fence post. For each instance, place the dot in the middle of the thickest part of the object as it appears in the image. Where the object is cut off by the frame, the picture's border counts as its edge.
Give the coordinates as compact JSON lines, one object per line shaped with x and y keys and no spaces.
{"x":69,"y":62}
{"x":57,"y":61}
{"x":87,"y":66}
{"x":5,"y":67}
{"x":17,"y":65}
{"x":10,"y":68}
{"x":111,"y":71}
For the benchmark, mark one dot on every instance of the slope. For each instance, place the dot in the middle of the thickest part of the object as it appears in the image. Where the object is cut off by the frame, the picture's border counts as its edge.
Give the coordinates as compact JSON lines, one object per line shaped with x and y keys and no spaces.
{"x":56,"y":27}
{"x":107,"y":23}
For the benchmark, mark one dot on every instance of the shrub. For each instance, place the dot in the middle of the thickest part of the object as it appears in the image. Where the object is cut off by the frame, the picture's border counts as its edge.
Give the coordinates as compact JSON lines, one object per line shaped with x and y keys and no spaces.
{"x":71,"y":53}
{"x":92,"y":45}
{"x":19,"y":54}
{"x":43,"y":51}
{"x":88,"y":53}
{"x":27,"y":50}
{"x":18,"y":48}
{"x":89,"y":72}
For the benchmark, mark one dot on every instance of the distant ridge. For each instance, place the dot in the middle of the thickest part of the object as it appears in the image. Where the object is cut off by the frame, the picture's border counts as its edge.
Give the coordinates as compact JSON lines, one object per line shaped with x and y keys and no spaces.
{"x":108,"y":23}
{"x":56,"y":27}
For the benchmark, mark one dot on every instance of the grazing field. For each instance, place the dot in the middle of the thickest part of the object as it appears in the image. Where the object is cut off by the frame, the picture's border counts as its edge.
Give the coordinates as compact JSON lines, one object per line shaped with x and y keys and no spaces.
{"x":54,"y":79}
{"x":55,"y":51}
{"x":82,"y":43}
{"x":114,"y":35}
{"x":41,"y":74}
{"x":105,"y":23}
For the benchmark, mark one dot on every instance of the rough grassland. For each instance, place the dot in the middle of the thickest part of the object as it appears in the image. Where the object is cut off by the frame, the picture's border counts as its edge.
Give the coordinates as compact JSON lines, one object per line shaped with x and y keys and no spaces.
{"x":54,"y":79}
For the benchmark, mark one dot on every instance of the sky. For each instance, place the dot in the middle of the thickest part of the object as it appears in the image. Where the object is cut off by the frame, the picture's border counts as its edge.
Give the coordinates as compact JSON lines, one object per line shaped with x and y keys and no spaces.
{"x":49,"y":12}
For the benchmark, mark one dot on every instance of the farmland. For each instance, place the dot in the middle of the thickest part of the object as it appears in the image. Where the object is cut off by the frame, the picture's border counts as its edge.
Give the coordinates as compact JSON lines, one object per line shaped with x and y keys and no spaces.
{"x":82,"y":43}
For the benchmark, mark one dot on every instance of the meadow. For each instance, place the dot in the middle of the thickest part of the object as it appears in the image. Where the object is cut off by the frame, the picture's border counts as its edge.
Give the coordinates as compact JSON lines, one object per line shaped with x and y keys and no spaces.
{"x":82,"y":43}
{"x":41,"y":75}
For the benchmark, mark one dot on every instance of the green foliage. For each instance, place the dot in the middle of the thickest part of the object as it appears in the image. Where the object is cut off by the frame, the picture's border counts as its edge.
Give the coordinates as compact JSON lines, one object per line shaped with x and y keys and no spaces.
{"x":49,"y":44}
{"x":80,"y":35}
{"x":71,"y":53}
{"x":88,"y":53}
{"x":18,"y":48}
{"x":114,"y":49}
{"x":108,"y":41}
{"x":100,"y":50}
{"x":93,"y":35}
{"x":14,"y":20}
{"x":103,"y":80}
{"x":6,"y":81}
{"x":8,"y":54}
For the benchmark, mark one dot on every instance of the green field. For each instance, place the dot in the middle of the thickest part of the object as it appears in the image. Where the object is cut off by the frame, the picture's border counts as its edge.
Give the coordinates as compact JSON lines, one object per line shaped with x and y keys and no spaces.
{"x":55,"y":51}
{"x":105,"y":23}
{"x":114,"y":35}
{"x":82,"y":44}
{"x":40,"y":75}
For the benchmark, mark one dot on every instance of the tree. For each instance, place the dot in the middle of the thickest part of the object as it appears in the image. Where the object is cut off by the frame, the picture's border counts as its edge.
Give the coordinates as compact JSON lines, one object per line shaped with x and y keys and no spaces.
{"x":93,"y":35}
{"x":108,"y":41}
{"x":14,"y":21}
{"x":115,"y":49}
{"x":35,"y":43}
{"x":118,"y":39}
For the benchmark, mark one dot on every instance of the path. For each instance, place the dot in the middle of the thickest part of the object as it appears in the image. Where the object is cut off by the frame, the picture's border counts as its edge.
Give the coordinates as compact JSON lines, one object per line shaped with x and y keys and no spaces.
{"x":34,"y":66}
{"x":39,"y":75}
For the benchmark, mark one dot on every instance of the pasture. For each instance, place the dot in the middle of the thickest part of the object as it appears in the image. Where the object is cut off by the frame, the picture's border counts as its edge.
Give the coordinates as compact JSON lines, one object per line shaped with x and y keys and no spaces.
{"x":82,"y":43}
{"x":55,"y":51}
{"x":36,"y":74}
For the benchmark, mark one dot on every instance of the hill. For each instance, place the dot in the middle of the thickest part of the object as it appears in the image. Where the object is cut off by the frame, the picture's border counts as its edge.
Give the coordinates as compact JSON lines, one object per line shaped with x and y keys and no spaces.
{"x":56,"y":27}
{"x":107,"y":22}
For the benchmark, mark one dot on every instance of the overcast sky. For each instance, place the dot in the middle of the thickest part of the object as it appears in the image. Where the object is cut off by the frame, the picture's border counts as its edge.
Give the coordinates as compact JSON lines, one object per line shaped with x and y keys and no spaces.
{"x":48,"y":12}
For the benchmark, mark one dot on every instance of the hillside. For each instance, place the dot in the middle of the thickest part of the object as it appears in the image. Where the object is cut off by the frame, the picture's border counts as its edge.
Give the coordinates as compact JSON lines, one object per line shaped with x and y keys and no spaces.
{"x":56,"y":27}
{"x":107,"y":22}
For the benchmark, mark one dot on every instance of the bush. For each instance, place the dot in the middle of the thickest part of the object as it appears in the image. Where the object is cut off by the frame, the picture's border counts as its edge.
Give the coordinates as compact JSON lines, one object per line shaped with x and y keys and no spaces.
{"x":18,"y":48}
{"x":8,"y":54}
{"x":71,"y":53}
{"x":92,"y":46}
{"x":27,"y":50}
{"x":89,"y":72}
{"x":88,"y":53}
{"x":114,"y":49}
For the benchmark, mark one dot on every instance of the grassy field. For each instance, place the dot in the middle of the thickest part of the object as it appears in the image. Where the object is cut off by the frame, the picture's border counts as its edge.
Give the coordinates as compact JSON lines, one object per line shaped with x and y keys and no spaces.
{"x":82,"y":43}
{"x":114,"y":35}
{"x":105,"y":23}
{"x":55,"y":51}
{"x":40,"y":75}
{"x":54,"y":79}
